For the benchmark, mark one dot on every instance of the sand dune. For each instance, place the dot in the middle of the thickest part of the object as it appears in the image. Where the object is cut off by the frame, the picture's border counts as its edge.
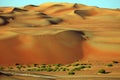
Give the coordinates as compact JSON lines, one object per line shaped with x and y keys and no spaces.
{"x":58,"y":33}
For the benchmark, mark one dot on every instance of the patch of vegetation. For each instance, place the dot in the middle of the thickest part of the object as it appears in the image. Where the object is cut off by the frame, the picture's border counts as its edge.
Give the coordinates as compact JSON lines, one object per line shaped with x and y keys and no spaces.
{"x":88,"y":66}
{"x":71,"y":73}
{"x":64,"y":69}
{"x":19,"y":67}
{"x":58,"y":65}
{"x":102,"y":71}
{"x":43,"y":66}
{"x":109,"y":65}
{"x":82,"y":67}
{"x":49,"y":69}
{"x":79,"y":68}
{"x":76,"y":64}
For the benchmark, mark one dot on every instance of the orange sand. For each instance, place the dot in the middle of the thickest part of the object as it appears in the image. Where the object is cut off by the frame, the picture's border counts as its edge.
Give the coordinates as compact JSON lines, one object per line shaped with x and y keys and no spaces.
{"x":51,"y":33}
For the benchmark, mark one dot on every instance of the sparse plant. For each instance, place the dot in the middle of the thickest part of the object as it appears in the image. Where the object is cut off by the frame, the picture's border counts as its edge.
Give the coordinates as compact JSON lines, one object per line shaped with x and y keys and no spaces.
{"x":64,"y":69}
{"x":71,"y":73}
{"x":19,"y":67}
{"x":49,"y":69}
{"x":109,"y":65}
{"x":58,"y":65}
{"x":76,"y":64}
{"x":43,"y":66}
{"x":81,"y":67}
{"x":102,"y":71}
{"x":88,"y":66}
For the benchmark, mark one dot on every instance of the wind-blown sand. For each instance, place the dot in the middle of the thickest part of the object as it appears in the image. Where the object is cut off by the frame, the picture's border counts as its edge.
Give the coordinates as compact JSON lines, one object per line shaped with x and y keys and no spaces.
{"x":58,"y":33}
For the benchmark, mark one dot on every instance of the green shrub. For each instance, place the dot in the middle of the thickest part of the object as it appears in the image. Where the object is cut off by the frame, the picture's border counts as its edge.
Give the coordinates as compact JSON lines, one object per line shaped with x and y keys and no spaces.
{"x":88,"y":66}
{"x":43,"y":69}
{"x":81,"y":67}
{"x":109,"y":65}
{"x":19,"y":67}
{"x":78,"y":68}
{"x":71,"y":73}
{"x":43,"y":66}
{"x":76,"y":64}
{"x":58,"y":65}
{"x":102,"y":71}
{"x":49,"y":69}
{"x":64,"y":69}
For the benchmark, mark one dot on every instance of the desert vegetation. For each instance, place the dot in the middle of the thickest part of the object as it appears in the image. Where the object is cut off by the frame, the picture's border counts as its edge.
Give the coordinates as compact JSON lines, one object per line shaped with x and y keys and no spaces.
{"x":69,"y":69}
{"x":102,"y":71}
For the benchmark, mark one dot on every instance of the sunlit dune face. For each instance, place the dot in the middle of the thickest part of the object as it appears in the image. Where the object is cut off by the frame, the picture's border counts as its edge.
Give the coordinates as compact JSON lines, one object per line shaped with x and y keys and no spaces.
{"x":58,"y":33}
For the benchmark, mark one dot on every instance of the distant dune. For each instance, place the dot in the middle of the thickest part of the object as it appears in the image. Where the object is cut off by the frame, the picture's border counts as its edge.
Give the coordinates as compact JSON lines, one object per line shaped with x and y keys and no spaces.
{"x":58,"y":33}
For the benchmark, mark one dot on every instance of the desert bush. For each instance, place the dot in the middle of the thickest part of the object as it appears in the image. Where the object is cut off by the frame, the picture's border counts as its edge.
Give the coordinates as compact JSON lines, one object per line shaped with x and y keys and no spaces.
{"x":81,"y":67}
{"x":64,"y":69}
{"x":43,"y":66}
{"x":42,"y":69}
{"x":109,"y":65}
{"x":78,"y":68}
{"x":102,"y":71}
{"x":88,"y":66}
{"x":76,"y":64}
{"x":19,"y":67}
{"x":49,"y":69}
{"x":58,"y":65}
{"x":71,"y":73}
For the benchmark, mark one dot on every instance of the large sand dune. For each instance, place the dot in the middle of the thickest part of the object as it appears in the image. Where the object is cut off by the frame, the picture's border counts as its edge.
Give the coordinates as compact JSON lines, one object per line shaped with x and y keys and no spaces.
{"x":58,"y":33}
